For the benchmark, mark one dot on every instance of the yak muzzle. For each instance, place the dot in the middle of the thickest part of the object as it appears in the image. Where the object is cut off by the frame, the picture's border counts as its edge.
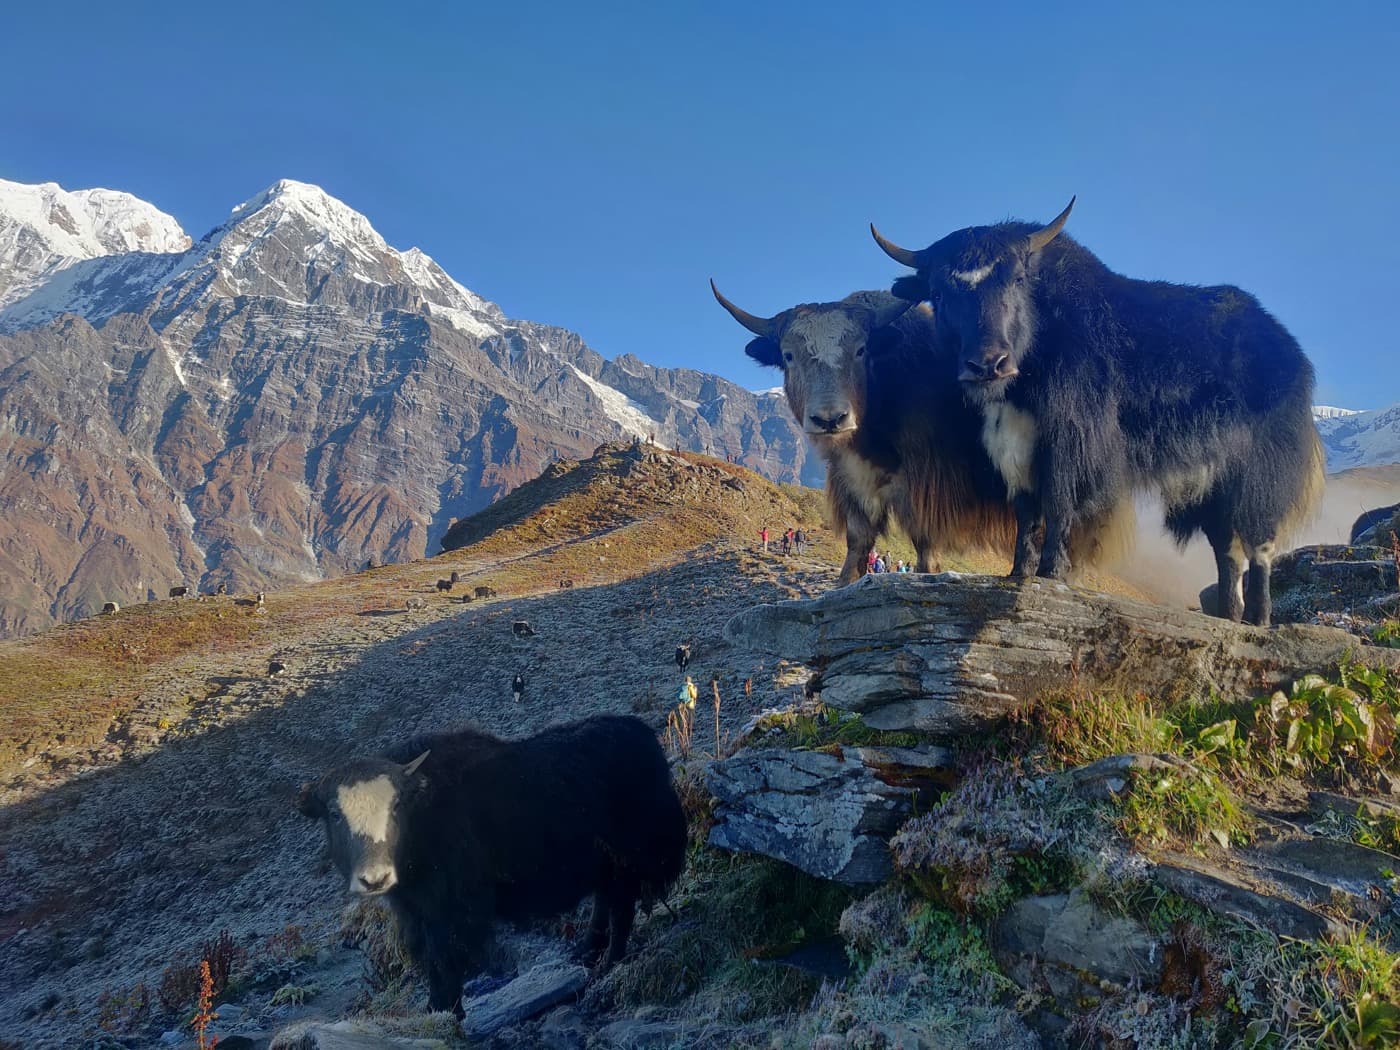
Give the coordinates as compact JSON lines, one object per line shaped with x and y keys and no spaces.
{"x":988,"y":368}
{"x":834,"y":423}
{"x":371,"y":882}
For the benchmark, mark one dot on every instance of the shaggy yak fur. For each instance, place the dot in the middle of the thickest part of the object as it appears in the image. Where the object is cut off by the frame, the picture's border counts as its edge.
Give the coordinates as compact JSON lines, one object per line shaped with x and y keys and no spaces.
{"x":1091,"y":385}
{"x":875,"y":395}
{"x":477,"y":830}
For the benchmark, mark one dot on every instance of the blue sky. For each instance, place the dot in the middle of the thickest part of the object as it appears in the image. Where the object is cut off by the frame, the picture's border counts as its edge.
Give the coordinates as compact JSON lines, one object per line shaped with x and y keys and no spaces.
{"x":591,"y":165}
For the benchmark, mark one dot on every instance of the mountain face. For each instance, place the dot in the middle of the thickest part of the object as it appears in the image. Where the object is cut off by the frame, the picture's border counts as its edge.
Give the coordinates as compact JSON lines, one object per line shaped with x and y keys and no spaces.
{"x":1359,"y":439}
{"x":286,"y":399}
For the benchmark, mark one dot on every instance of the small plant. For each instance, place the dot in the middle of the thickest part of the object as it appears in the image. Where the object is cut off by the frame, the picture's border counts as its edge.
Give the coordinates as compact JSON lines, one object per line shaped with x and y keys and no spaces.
{"x":124,"y":1010}
{"x":204,"y":1012}
{"x":1193,"y":806}
{"x":294,"y":994}
{"x":680,"y":729}
{"x":1387,"y":633}
{"x":1319,"y":719}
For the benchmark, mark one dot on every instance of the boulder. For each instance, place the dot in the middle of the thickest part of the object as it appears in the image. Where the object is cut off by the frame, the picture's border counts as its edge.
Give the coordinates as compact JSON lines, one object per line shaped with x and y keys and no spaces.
{"x":527,"y":996}
{"x":1333,"y":578}
{"x":951,"y":654}
{"x":1069,"y":933}
{"x":348,"y":1035}
{"x":829,"y":814}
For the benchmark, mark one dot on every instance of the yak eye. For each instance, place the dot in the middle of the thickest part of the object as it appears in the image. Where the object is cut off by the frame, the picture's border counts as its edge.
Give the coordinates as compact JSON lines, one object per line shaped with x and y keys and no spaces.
{"x":1020,"y":278}
{"x":787,"y":357}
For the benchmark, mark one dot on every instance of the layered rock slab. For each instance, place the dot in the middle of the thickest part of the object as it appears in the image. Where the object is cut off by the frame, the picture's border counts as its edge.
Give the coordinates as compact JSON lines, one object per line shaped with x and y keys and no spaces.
{"x":951,"y":654}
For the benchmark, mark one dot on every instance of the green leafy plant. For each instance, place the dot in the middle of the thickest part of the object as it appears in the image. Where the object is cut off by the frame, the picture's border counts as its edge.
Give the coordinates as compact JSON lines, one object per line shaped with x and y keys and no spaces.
{"x":1319,"y":720}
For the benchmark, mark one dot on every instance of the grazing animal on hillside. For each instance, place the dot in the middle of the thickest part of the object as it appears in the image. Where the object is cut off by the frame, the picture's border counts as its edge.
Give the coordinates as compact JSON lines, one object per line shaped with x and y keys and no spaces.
{"x":111,"y":607}
{"x":522,"y":629}
{"x":683,"y":657}
{"x":275,"y":667}
{"x":444,"y":585}
{"x":1091,"y":384}
{"x":414,"y":603}
{"x":874,"y":395}
{"x":179,"y":592}
{"x":517,"y":687}
{"x":485,"y":592}
{"x":476,"y":830}
{"x":456,"y":577}
{"x":565,"y":583}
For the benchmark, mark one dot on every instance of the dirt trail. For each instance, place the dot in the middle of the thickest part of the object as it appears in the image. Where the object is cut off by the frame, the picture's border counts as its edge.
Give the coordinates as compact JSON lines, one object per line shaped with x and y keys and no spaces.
{"x":107,"y":879}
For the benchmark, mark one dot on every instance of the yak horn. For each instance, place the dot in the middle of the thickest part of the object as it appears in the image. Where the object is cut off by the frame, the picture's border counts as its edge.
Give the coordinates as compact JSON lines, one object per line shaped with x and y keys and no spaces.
{"x":890,"y":311}
{"x":412,"y":767}
{"x":1046,"y":234}
{"x":900,"y":255}
{"x":757,"y":325}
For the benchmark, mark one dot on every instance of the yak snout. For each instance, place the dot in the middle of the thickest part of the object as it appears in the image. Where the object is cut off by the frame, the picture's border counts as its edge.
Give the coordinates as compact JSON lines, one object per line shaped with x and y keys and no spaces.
{"x":990,"y":365}
{"x":829,"y":424}
{"x":372,"y":881}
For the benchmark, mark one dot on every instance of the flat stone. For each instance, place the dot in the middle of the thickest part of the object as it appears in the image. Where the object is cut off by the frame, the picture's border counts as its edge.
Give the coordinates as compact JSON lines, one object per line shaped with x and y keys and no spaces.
{"x":949,"y":654}
{"x":1219,"y":890}
{"x":1070,"y":931}
{"x":347,"y":1035}
{"x":530,"y":994}
{"x":829,"y":815}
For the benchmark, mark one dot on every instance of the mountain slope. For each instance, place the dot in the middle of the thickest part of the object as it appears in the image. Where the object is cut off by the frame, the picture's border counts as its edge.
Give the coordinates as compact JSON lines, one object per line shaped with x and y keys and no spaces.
{"x":289,"y":398}
{"x":1360,"y":439}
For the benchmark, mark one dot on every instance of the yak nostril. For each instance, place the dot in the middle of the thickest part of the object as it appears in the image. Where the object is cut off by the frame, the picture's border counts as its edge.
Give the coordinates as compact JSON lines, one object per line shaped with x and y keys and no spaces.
{"x":1003,"y":365}
{"x":836,"y":422}
{"x":974,"y":366}
{"x":372,"y":884}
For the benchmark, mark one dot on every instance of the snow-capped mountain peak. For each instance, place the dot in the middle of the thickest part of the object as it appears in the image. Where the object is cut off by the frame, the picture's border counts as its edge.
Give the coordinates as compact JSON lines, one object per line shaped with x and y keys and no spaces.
{"x":1321,"y":412}
{"x":1360,"y":439}
{"x":45,"y":228}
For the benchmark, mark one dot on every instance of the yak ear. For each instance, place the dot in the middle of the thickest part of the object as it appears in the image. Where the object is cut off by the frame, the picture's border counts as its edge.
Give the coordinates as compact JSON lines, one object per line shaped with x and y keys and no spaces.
{"x":765,"y":351}
{"x":309,"y":803}
{"x":911,"y":287}
{"x":412,"y":767}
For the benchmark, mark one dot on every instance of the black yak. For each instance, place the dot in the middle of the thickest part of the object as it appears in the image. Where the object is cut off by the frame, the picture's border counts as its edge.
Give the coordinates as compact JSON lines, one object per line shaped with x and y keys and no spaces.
{"x":476,"y":830}
{"x":1091,"y":385}
{"x":866,"y":380}
{"x":444,"y":585}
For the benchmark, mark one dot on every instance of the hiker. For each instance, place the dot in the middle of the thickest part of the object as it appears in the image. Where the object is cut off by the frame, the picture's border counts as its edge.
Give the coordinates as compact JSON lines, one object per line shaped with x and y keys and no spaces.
{"x":879,"y":565}
{"x":787,"y":543}
{"x":688,"y":693}
{"x":518,"y":687}
{"x":763,"y":535}
{"x":870,"y":560}
{"x":799,"y":538}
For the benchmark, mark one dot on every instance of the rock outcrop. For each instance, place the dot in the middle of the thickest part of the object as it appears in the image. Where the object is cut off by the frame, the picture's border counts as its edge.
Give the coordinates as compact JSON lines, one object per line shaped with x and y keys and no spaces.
{"x":950,"y":654}
{"x":830,"y":813}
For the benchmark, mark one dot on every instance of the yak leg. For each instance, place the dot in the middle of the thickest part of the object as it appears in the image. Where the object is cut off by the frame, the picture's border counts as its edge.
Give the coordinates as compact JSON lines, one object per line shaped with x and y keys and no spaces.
{"x":446,"y":965}
{"x":861,"y":534}
{"x":597,"y":940}
{"x":1229,"y":567}
{"x":1027,"y":509}
{"x":622,"y":912}
{"x":1258,"y":603}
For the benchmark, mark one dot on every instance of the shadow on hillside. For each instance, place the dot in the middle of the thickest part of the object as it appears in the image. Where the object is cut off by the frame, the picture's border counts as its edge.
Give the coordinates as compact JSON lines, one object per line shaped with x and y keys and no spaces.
{"x":109,"y":878}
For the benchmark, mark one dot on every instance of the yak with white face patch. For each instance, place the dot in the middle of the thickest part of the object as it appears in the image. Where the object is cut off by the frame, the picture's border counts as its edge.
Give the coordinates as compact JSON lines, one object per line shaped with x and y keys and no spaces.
{"x":478,"y":830}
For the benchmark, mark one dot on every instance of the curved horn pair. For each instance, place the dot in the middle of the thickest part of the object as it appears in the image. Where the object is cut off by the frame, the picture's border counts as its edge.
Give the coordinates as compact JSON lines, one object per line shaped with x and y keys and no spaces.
{"x":1035,"y":241}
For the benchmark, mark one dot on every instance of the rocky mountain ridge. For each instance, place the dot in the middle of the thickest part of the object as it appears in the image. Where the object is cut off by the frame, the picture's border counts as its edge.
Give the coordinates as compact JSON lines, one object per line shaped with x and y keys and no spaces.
{"x":286,"y":399}
{"x":1359,"y":439}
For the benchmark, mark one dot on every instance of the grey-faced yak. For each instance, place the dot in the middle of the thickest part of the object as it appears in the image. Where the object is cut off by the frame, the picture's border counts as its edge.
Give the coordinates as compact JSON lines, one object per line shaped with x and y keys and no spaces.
{"x":876,"y":397}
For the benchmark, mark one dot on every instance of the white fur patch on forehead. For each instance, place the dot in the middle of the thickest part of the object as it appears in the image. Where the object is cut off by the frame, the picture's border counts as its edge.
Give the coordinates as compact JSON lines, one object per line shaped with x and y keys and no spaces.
{"x":367,"y":806}
{"x":828,"y":335}
{"x":972,"y":278}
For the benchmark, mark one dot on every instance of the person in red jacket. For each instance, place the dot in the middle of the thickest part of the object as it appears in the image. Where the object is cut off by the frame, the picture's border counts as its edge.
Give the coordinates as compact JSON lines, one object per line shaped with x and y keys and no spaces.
{"x":763,"y":536}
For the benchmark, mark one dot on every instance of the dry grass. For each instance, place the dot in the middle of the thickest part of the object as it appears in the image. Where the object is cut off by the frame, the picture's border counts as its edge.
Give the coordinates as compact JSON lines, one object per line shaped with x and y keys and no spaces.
{"x":599,"y":522}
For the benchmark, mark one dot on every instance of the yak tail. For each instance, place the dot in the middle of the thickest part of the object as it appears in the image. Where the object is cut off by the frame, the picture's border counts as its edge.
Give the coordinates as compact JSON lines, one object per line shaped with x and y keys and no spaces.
{"x":1105,"y":539}
{"x":1309,"y":493}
